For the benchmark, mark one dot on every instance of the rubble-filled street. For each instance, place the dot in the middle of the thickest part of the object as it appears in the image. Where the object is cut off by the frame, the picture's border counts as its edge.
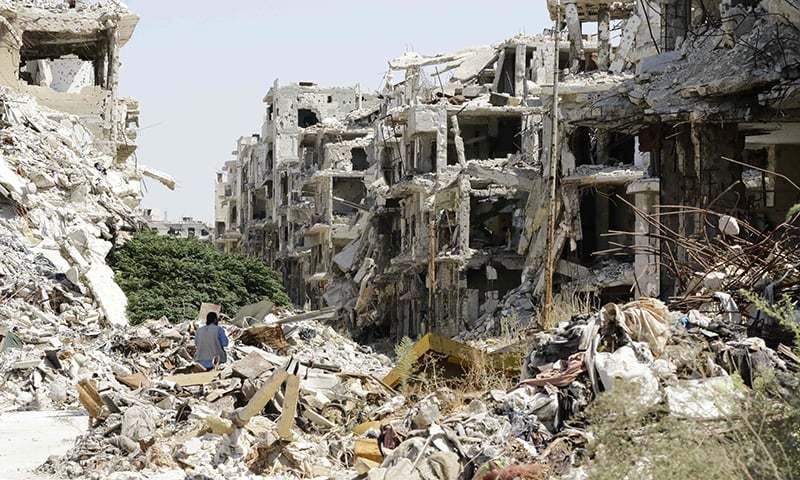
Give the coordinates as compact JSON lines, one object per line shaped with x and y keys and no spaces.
{"x":570,"y":255}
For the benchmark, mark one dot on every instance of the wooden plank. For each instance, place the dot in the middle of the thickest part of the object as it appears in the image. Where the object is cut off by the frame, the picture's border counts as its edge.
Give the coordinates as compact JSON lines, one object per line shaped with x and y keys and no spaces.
{"x":269,"y":335}
{"x":362,"y":428}
{"x":368,"y":448}
{"x":286,"y":420}
{"x":456,"y":353}
{"x":135,"y":381}
{"x":90,"y":399}
{"x":191,"y":379}
{"x":260,"y":399}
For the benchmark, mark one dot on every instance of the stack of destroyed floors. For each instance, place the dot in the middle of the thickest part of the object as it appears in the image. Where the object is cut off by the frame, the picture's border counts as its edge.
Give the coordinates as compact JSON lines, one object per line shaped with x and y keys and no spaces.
{"x":449,"y":228}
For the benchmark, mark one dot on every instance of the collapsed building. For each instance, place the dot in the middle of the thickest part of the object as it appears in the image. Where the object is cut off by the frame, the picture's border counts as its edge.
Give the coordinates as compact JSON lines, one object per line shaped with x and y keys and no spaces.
{"x":437,"y":219}
{"x":186,"y":227}
{"x":69,"y":180}
{"x":294,"y":193}
{"x":68,"y":59}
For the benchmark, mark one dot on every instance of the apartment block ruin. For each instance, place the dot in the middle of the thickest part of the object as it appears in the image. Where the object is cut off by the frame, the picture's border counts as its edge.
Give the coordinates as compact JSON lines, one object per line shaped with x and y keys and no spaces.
{"x":68,"y":59}
{"x":425,"y":206}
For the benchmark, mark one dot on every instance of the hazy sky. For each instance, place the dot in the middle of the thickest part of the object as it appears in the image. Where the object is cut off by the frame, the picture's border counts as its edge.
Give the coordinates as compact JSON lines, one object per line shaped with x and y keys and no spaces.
{"x":200,"y":68}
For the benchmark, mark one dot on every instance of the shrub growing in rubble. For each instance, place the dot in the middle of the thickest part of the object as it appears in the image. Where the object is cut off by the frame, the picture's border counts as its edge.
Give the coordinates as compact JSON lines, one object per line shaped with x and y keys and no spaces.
{"x":167,"y":276}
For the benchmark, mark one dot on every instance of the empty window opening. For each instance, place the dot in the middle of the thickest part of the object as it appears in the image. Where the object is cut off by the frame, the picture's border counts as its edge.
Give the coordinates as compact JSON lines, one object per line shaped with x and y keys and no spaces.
{"x":601,"y":212}
{"x":64,"y":62}
{"x":447,"y":231}
{"x":190,"y":232}
{"x":220,"y":228}
{"x":306,"y":118}
{"x":601,"y":147}
{"x":259,"y":202}
{"x":491,"y":223}
{"x":284,"y":189}
{"x":391,"y":165}
{"x":330,"y":99}
{"x":490,"y":138}
{"x":581,"y":146}
{"x":483,"y":279}
{"x":348,"y":194}
{"x":359,"y":159}
{"x":621,"y":148}
{"x":422,"y":152}
{"x":270,"y":161}
{"x":508,"y":72}
{"x":452,"y":153}
{"x":491,"y":283}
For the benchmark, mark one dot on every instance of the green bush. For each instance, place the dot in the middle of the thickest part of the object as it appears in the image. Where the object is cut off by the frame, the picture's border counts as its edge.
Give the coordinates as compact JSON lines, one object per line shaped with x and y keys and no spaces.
{"x":167,"y":276}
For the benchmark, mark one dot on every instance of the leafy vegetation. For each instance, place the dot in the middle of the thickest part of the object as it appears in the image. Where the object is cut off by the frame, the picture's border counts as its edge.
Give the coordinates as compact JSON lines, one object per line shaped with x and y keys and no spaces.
{"x":793,"y":212}
{"x":167,"y":276}
{"x":404,"y":363}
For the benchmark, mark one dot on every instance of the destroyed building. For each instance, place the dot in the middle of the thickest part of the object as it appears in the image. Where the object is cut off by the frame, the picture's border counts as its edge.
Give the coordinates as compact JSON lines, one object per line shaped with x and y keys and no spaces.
{"x":426,"y":207}
{"x":68,"y":59}
{"x":447,"y":202}
{"x":293,"y":193}
{"x":186,"y":227}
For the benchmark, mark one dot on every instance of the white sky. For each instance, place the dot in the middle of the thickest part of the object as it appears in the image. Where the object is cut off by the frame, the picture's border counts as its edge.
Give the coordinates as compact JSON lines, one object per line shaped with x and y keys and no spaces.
{"x":200,"y":68}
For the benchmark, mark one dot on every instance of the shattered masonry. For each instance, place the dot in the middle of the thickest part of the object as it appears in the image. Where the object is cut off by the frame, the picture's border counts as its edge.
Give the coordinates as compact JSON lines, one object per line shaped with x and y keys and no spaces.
{"x":69,"y":180}
{"x":423,"y":208}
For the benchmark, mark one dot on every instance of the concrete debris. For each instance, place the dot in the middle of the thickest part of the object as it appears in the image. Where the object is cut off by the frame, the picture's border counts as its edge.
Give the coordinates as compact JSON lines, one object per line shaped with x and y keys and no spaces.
{"x":421,"y":211}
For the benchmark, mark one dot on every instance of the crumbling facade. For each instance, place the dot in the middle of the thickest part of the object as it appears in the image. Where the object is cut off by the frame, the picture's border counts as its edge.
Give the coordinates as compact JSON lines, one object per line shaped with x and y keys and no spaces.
{"x":70,"y":185}
{"x":68,"y":59}
{"x":293,"y":193}
{"x":443,"y":225}
{"x":186,"y":227}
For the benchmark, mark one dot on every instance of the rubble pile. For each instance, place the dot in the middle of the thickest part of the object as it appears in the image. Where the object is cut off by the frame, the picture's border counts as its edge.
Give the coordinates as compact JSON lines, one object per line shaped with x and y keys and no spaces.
{"x":152,"y":419}
{"x":63,"y":204}
{"x":297,"y":400}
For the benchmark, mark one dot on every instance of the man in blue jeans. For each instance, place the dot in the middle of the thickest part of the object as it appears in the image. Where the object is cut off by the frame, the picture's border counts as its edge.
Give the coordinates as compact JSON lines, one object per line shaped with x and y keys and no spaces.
{"x":210,"y":342}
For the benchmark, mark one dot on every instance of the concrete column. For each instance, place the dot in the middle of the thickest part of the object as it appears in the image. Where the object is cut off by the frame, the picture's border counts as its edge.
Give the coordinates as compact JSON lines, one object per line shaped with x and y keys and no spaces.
{"x":498,"y":71}
{"x":441,"y":140}
{"x":646,"y":265}
{"x":458,"y":140}
{"x":604,"y":37}
{"x":412,"y":84}
{"x":575,"y":35}
{"x":463,"y":212}
{"x":328,"y":195}
{"x":113,"y":61}
{"x":519,"y":70}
